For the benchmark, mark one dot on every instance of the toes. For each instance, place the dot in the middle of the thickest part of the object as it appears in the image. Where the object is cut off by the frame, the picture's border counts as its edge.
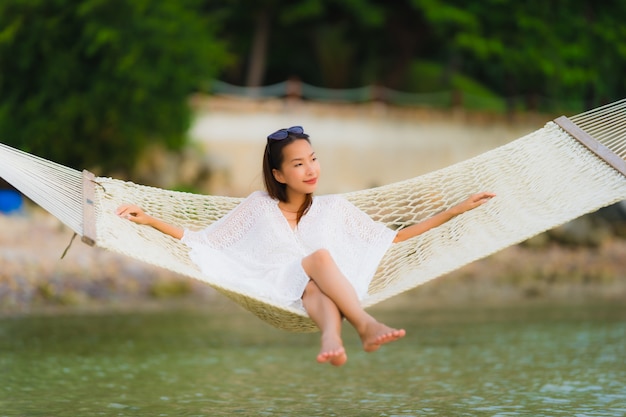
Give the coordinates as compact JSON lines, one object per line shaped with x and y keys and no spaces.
{"x":339,"y":360}
{"x":336,"y":357}
{"x":384,"y":338}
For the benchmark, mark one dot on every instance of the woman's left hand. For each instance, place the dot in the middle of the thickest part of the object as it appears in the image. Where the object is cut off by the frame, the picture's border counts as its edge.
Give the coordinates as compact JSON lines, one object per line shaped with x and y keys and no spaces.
{"x":472,"y":202}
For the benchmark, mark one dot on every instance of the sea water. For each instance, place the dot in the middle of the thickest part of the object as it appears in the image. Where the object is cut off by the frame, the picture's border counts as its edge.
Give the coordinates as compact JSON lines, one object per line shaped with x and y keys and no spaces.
{"x":527,"y":360}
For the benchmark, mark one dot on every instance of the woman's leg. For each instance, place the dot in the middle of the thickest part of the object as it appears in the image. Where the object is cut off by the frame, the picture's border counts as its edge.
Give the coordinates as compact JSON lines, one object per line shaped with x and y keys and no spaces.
{"x":322,"y":269}
{"x":326,"y":315}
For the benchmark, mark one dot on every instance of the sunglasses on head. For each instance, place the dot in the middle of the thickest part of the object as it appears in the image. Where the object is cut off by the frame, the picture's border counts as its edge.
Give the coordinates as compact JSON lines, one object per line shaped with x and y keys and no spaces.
{"x":283,"y":133}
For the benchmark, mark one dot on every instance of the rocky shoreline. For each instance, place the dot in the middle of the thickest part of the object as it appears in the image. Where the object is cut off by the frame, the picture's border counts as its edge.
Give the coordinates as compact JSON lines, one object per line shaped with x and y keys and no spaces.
{"x":33,"y":278}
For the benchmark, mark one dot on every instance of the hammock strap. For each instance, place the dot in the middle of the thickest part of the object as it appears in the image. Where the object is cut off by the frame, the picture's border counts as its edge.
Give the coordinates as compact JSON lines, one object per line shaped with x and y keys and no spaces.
{"x":69,"y":245}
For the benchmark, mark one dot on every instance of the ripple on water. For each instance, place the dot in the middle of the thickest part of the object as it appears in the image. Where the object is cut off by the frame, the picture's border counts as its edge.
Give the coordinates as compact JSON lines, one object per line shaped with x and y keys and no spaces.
{"x":177,"y":365}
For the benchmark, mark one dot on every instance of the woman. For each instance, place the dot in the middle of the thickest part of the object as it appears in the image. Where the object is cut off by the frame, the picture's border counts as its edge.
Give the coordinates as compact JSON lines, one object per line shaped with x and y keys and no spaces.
{"x":287,"y":246}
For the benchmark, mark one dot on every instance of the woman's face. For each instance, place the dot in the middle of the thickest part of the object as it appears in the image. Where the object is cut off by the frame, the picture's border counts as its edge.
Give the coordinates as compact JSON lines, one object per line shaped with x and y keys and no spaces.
{"x":300,"y":169}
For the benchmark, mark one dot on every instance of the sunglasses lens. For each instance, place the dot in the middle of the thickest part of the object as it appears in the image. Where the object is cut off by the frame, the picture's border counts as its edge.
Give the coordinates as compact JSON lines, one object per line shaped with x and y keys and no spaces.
{"x":278,"y":135}
{"x":283,"y":133}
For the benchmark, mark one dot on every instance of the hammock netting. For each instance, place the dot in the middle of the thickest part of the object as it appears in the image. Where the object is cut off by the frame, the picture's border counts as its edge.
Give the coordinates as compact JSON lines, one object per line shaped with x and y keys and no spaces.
{"x":564,"y":170}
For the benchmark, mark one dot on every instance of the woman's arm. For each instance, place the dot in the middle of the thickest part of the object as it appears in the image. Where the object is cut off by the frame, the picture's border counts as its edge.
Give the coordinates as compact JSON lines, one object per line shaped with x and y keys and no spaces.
{"x":438,"y":219}
{"x":136,"y":215}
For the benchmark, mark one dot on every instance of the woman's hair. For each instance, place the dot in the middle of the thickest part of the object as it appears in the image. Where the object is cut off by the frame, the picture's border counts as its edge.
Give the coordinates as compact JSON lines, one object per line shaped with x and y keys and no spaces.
{"x":273,"y":159}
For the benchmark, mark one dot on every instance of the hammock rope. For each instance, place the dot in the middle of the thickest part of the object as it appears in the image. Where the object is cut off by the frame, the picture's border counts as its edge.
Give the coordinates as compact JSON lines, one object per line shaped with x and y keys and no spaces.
{"x":562,"y":171}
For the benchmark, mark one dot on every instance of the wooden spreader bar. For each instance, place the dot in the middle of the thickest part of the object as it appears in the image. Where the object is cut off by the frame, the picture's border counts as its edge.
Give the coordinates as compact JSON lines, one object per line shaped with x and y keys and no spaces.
{"x":592,"y":144}
{"x":89,"y":213}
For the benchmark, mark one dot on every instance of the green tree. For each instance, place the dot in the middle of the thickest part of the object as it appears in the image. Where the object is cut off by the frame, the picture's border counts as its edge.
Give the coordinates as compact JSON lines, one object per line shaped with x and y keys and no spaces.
{"x":316,"y":40}
{"x":571,"y":51}
{"x":535,"y":53}
{"x":90,"y":83}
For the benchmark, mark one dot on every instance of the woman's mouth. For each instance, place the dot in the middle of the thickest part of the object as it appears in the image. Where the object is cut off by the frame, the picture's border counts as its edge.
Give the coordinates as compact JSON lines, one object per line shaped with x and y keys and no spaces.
{"x":312,"y":181}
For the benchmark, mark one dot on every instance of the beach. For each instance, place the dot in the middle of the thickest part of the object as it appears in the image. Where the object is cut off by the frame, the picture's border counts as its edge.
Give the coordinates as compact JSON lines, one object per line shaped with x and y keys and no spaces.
{"x":34,"y":278}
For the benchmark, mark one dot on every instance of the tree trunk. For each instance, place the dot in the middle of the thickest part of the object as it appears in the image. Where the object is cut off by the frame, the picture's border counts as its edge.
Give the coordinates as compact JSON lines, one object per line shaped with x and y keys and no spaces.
{"x":258,"y":54}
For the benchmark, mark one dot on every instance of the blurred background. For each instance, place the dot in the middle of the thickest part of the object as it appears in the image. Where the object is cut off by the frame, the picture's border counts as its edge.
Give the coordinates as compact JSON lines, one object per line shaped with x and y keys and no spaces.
{"x":93,"y":84}
{"x":181,"y":95}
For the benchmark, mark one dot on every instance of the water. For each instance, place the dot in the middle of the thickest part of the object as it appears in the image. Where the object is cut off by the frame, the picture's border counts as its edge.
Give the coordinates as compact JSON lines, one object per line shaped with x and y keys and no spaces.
{"x":221,"y":361}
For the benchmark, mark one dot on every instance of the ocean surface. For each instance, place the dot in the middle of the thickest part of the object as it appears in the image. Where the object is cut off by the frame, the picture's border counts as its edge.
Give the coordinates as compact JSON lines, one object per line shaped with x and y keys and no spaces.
{"x":219,"y":360}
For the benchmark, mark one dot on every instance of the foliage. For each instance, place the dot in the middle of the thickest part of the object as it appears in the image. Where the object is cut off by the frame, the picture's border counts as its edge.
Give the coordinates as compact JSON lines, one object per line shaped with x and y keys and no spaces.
{"x":92,"y":82}
{"x":536,"y":52}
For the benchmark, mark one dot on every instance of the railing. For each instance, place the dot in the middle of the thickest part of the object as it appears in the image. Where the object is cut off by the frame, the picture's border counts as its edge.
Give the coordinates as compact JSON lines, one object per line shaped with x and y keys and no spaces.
{"x":443,"y":99}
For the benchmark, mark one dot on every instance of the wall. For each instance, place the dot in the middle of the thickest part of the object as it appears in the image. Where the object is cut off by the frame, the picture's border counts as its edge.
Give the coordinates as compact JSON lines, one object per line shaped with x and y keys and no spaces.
{"x":359,"y":146}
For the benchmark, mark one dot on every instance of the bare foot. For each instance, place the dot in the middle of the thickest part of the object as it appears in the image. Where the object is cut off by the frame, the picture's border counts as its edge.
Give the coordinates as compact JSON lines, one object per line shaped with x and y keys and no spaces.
{"x":332,"y":351}
{"x":377,"y":334}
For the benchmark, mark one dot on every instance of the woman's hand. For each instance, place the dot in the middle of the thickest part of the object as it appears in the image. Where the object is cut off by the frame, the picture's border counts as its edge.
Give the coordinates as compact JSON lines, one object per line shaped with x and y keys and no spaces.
{"x":136,"y":215}
{"x":133,"y":213}
{"x":472,"y":202}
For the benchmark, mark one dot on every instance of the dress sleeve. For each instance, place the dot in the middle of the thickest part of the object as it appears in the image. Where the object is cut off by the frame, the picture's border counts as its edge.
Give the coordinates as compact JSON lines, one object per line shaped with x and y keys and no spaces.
{"x":362,"y":227}
{"x":229,"y":229}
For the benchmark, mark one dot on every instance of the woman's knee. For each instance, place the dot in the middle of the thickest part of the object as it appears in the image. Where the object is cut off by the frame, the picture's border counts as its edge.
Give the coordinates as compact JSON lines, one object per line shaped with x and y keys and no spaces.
{"x":318,"y":262}
{"x":321,"y":256}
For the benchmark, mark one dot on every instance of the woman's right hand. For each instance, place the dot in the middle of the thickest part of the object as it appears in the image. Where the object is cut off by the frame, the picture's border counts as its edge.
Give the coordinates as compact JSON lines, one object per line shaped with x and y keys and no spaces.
{"x":133,"y":213}
{"x":136,"y":215}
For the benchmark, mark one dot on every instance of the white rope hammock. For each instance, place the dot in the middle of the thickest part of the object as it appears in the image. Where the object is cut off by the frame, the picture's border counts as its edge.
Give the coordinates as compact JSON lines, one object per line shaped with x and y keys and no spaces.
{"x":566,"y":169}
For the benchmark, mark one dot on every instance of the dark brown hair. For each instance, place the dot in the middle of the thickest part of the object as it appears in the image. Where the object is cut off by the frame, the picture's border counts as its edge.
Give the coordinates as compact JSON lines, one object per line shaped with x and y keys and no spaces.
{"x":273,"y":159}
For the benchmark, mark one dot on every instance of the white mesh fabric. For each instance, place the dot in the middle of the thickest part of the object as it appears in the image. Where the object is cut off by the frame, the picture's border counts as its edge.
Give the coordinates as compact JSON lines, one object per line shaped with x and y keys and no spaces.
{"x":541,"y":180}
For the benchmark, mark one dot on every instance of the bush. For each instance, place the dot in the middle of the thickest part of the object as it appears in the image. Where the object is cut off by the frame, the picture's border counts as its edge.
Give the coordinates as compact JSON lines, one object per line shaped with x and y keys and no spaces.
{"x":90,"y":83}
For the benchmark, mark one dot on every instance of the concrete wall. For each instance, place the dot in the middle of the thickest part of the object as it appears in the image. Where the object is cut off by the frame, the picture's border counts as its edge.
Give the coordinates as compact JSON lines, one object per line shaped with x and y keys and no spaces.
{"x":359,"y":146}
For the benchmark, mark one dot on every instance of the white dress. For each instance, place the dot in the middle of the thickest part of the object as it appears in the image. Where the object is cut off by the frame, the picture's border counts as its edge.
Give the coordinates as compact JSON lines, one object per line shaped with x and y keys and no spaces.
{"x":254,"y":250}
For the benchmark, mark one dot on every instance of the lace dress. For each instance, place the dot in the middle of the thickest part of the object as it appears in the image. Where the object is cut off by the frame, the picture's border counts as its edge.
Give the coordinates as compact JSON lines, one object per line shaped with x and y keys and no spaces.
{"x":254,"y":250}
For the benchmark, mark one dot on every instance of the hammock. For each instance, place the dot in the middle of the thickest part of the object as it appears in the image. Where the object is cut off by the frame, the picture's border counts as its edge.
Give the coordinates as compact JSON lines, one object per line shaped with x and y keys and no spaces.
{"x":568,"y":168}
